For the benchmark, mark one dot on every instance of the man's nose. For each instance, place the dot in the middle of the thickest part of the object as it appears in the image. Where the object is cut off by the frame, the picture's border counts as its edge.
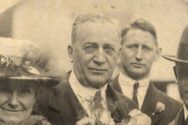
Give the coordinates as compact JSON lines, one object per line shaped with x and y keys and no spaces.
{"x":99,"y":57}
{"x":13,"y":100}
{"x":139,"y":54}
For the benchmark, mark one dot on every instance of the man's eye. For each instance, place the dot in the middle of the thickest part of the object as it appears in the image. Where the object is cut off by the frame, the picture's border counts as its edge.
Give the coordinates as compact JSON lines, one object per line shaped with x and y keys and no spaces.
{"x":146,"y":48}
{"x":132,"y":46}
{"x":89,"y":49}
{"x":109,"y":50}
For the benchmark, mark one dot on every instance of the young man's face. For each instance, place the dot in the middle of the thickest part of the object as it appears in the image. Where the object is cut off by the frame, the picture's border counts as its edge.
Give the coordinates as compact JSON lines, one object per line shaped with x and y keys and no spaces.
{"x":95,"y":53}
{"x":16,"y":101}
{"x":139,"y":51}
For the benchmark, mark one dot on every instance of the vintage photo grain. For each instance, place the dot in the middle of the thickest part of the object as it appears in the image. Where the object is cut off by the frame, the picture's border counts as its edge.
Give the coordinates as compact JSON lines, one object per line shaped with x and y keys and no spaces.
{"x":93,"y":62}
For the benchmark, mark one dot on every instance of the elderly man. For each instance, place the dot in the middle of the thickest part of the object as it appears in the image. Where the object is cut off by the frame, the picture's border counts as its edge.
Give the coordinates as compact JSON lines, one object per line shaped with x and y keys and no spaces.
{"x":139,"y":51}
{"x":181,"y":72}
{"x":84,"y":96}
{"x":21,"y":77}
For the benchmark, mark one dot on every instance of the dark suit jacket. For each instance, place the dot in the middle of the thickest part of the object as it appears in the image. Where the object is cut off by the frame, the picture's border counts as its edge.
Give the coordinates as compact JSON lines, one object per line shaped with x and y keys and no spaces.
{"x":179,"y":118}
{"x":61,"y":106}
{"x":153,"y":96}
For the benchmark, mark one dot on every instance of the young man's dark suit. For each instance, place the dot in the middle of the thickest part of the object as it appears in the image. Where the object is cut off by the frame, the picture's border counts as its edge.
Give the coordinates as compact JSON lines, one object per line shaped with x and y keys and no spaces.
{"x":153,"y":96}
{"x":180,"y":119}
{"x":62,"y":106}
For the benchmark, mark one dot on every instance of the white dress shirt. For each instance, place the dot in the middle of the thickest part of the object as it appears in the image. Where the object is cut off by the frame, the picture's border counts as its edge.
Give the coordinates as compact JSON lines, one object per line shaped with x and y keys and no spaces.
{"x":86,"y":94}
{"x":185,"y":112}
{"x":127,"y":85}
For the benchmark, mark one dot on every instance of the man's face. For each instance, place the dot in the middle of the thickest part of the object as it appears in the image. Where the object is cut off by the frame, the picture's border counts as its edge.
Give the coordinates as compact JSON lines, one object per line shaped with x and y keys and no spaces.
{"x":182,"y":77}
{"x":16,"y":102}
{"x":95,"y":53}
{"x":139,"y":51}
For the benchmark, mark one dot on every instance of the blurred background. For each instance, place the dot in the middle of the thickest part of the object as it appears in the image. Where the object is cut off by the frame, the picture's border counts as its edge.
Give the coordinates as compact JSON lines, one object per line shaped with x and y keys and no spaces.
{"x":49,"y":23}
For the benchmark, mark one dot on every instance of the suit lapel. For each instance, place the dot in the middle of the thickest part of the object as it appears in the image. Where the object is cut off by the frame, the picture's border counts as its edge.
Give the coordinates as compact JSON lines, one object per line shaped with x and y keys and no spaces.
{"x":67,"y":102}
{"x":115,"y":85}
{"x":150,"y":101}
{"x":111,"y":98}
{"x":118,"y":104}
{"x":149,"y":105}
{"x":74,"y":104}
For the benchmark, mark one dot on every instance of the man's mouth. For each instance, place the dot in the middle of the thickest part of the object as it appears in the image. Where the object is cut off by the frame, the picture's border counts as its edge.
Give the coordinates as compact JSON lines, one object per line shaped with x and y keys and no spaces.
{"x":98,"y":70}
{"x":138,"y":65}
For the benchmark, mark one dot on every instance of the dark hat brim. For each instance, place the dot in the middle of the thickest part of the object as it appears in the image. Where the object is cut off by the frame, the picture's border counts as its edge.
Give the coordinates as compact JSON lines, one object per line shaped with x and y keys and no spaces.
{"x":47,"y":81}
{"x":174,"y":59}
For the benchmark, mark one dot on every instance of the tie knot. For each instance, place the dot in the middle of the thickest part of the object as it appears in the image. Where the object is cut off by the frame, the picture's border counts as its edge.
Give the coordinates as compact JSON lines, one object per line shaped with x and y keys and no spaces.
{"x":136,"y":85}
{"x":97,"y":97}
{"x":98,"y":93}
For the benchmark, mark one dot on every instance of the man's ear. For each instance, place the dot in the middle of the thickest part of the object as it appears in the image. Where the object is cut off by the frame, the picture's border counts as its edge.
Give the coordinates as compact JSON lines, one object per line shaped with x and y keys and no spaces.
{"x":119,"y":56}
{"x":175,"y":72}
{"x":158,"y":55}
{"x":70,"y":52}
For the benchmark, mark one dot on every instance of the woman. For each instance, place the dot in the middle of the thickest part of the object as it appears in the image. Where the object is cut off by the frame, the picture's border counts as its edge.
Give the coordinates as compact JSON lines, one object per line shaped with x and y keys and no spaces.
{"x":23,"y":75}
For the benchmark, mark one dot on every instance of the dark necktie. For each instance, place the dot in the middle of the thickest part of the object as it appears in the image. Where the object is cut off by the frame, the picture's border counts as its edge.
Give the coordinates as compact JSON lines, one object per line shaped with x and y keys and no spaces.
{"x":97,"y":100}
{"x":135,"y":92}
{"x":97,"y":107}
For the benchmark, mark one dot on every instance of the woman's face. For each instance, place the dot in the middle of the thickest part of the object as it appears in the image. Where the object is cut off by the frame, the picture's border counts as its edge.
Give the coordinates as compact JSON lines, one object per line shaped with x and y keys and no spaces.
{"x":16,"y":101}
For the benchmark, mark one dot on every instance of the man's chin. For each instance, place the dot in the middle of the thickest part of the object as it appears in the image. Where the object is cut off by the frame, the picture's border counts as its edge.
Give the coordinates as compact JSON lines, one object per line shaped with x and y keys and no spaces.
{"x":139,"y":70}
{"x":97,"y":82}
{"x":137,"y":73}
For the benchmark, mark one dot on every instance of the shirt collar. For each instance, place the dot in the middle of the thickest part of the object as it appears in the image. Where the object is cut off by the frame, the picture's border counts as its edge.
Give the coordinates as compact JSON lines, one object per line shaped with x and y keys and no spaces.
{"x":130,"y":82}
{"x":83,"y":91}
{"x":185,"y":112}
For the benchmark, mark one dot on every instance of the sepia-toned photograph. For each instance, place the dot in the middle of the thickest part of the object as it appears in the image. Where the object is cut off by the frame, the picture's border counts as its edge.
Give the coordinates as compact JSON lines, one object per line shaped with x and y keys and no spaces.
{"x":93,"y":62}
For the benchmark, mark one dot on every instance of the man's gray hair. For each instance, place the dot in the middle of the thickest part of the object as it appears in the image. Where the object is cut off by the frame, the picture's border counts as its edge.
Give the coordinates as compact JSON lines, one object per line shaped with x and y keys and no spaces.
{"x":83,"y":18}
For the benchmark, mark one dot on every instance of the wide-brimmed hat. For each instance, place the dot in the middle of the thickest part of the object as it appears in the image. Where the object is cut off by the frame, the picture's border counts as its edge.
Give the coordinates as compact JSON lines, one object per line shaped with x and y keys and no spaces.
{"x":182,"y":53}
{"x":23,"y":60}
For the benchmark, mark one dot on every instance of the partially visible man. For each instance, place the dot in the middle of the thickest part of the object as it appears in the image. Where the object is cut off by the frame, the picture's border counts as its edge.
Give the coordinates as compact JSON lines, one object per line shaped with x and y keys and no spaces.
{"x":181,"y":72}
{"x":138,"y":53}
{"x":21,"y":78}
{"x":84,"y":96}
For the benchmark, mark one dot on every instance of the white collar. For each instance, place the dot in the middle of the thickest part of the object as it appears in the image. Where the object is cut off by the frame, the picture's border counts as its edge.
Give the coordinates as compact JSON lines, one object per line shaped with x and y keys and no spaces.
{"x":185,"y":112}
{"x":130,"y":82}
{"x":83,"y":91}
{"x":126,"y":84}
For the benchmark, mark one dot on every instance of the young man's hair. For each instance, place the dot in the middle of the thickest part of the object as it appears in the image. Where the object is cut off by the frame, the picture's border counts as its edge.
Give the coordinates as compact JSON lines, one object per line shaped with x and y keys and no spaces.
{"x":142,"y":25}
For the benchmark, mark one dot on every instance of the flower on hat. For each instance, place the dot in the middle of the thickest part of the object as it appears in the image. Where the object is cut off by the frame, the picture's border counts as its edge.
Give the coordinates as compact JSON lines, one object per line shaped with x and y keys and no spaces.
{"x":159,"y":108}
{"x":5,"y":61}
{"x":27,"y":65}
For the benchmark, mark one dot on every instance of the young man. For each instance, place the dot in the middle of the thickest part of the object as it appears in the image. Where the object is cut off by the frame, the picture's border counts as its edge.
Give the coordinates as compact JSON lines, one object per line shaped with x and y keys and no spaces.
{"x":84,"y":96}
{"x":181,"y":72}
{"x":138,"y":53}
{"x":21,"y":79}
